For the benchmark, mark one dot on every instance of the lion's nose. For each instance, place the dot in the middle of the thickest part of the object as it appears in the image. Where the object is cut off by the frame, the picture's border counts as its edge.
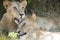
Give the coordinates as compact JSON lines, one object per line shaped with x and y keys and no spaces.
{"x":21,"y":15}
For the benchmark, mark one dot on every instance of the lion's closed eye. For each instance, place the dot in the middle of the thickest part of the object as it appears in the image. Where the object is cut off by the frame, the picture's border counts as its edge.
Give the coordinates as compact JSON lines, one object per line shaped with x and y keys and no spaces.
{"x":15,"y":8}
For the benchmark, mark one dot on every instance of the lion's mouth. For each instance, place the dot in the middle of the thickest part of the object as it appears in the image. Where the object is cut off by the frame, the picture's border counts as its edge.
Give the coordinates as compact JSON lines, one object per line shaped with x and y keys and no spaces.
{"x":19,"y":35}
{"x":18,"y":21}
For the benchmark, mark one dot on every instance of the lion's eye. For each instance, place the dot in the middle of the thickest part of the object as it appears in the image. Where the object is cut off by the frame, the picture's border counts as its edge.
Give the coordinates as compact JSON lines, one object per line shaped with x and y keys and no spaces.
{"x":22,"y":7}
{"x":16,"y":10}
{"x":14,"y":7}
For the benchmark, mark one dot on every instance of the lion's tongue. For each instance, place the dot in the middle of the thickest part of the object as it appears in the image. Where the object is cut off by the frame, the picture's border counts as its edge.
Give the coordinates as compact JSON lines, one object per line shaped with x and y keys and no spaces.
{"x":20,"y":20}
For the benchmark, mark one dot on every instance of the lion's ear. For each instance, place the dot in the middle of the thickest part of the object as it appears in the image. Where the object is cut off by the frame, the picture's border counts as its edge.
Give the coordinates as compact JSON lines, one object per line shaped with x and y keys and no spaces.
{"x":6,"y":4}
{"x":24,"y":4}
{"x":33,"y":17}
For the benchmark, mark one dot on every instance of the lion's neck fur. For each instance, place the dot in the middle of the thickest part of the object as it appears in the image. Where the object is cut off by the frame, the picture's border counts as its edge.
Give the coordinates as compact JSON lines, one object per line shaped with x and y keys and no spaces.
{"x":8,"y":21}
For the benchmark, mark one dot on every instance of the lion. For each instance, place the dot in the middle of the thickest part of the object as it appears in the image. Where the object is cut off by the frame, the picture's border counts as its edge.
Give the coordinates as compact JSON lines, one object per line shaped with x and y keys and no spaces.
{"x":14,"y":10}
{"x":28,"y":30}
{"x":39,"y":22}
{"x":39,"y":34}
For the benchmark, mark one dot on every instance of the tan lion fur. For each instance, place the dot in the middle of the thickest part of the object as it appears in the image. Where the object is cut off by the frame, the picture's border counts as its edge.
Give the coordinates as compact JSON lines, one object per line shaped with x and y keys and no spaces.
{"x":7,"y":22}
{"x":36,"y":33}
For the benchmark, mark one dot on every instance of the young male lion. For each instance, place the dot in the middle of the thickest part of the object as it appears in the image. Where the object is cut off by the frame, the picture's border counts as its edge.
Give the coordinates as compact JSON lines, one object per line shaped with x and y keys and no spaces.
{"x":31,"y":31}
{"x":14,"y":10}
